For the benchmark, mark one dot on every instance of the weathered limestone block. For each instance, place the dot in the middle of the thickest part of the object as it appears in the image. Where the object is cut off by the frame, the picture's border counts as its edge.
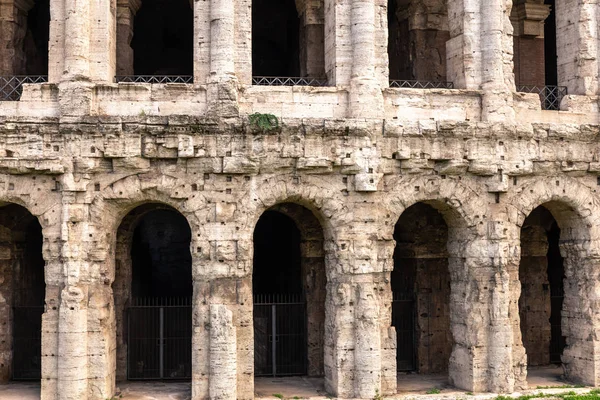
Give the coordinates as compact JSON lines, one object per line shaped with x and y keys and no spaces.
{"x":223,"y":354}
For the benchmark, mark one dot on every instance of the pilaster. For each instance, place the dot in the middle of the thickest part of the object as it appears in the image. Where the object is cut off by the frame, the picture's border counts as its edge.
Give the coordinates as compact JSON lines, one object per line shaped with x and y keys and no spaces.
{"x":126,"y":11}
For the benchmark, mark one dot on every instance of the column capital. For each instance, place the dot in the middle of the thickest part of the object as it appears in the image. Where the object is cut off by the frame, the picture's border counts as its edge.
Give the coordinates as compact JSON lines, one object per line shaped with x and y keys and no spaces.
{"x":528,"y":18}
{"x":134,"y":5}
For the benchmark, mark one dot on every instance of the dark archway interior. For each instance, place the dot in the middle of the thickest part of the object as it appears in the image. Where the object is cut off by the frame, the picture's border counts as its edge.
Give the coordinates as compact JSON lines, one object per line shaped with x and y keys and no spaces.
{"x":160,"y":254}
{"x":277,"y":266}
{"x":159,"y":344}
{"x":550,"y":53}
{"x":541,"y":273}
{"x":275,"y":38}
{"x":163,"y":38}
{"x":35,"y":43}
{"x":280,"y":319}
{"x":421,"y":291}
{"x":417,"y":36}
{"x":28,"y":289}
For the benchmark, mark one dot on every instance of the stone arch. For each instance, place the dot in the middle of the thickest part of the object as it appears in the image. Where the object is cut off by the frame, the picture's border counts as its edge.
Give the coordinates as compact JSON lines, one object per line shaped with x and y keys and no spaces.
{"x":112,"y":203}
{"x":575,"y":209}
{"x":463,"y":211}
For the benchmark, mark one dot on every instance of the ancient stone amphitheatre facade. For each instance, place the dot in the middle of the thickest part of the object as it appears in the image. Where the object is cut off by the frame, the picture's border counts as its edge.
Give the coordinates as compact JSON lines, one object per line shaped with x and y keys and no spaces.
{"x":213,"y":190}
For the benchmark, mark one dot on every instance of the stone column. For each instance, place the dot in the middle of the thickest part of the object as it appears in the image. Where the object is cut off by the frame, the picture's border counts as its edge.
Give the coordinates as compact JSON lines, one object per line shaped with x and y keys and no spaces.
{"x":126,"y":11}
{"x":497,"y":80}
{"x":338,"y":42}
{"x":222,"y":83}
{"x":578,"y":47}
{"x":366,"y":98}
{"x":312,"y":51}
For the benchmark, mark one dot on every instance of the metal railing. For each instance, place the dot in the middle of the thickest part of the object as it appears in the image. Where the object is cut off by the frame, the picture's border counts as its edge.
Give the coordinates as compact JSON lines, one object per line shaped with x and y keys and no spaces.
{"x":420,"y":84}
{"x":11,"y":87}
{"x":550,"y":96}
{"x":154,"y":79}
{"x":287,"y":81}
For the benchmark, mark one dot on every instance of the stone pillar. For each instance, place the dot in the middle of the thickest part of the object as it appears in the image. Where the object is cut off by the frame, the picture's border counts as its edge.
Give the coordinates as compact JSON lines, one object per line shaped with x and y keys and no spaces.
{"x":497,"y":80}
{"x":73,"y":360}
{"x":312,"y":31}
{"x":13,"y":27}
{"x":243,"y":40}
{"x":366,"y":98}
{"x":77,"y":40}
{"x":222,"y":84}
{"x":367,"y":351}
{"x":223,"y":354}
{"x":126,"y":11}
{"x":338,"y":42}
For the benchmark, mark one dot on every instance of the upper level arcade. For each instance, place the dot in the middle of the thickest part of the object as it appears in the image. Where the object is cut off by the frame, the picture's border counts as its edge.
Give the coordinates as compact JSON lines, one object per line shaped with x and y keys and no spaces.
{"x":392,"y":59}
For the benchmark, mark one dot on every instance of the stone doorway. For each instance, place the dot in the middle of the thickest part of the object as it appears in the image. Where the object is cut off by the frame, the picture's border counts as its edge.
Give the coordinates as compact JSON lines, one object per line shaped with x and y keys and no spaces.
{"x":153,"y":295}
{"x":421,"y":294}
{"x":24,"y":289}
{"x":289,"y":293}
{"x":542,"y":274}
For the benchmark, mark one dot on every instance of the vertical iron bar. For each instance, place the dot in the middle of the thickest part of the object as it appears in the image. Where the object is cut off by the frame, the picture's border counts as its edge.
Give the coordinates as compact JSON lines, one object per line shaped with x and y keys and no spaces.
{"x":274,"y":341}
{"x":161,"y":335}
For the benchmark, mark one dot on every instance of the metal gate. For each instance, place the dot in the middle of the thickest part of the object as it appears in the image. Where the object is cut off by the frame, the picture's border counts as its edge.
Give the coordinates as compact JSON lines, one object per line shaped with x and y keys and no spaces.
{"x":159,"y":342}
{"x":403,"y":312}
{"x":27,"y":343}
{"x":280,"y":347}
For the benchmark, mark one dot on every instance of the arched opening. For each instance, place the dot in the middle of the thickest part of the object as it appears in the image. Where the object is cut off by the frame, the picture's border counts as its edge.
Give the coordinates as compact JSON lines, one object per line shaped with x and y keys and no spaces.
{"x":541,"y":272}
{"x":535,"y":51}
{"x":421,"y":296}
{"x":287,"y":40}
{"x":418,"y":32}
{"x":23,"y":46}
{"x":288,"y":284}
{"x":23,"y":288}
{"x":156,"y":40}
{"x":153,"y":295}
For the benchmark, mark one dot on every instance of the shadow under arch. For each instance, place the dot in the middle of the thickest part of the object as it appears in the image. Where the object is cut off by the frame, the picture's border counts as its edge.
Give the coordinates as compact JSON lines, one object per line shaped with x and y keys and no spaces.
{"x":152,"y":292}
{"x":289,"y":290}
{"x":557,"y":273}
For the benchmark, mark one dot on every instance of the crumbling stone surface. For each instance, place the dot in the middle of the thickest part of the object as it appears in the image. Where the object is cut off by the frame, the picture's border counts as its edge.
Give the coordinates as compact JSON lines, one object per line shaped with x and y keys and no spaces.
{"x":87,"y":157}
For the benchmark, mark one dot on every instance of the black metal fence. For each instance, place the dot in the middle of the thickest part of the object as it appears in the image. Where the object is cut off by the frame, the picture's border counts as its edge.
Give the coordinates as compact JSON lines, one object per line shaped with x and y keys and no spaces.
{"x":421,"y":84}
{"x":287,"y":81}
{"x":550,"y":96}
{"x":280,"y":347}
{"x":403,"y":319}
{"x":11,"y":87}
{"x":27,"y":343}
{"x":159,"y":345}
{"x":154,"y":79}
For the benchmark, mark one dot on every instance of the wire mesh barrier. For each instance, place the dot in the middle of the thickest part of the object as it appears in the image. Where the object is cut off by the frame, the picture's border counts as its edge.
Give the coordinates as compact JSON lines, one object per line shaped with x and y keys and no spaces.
{"x":550,"y":96}
{"x":27,"y":343}
{"x":403,"y":312}
{"x":287,"y":81}
{"x":11,"y":87}
{"x":159,"y":342}
{"x":280,"y":347}
{"x":421,"y":84}
{"x":154,"y":79}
